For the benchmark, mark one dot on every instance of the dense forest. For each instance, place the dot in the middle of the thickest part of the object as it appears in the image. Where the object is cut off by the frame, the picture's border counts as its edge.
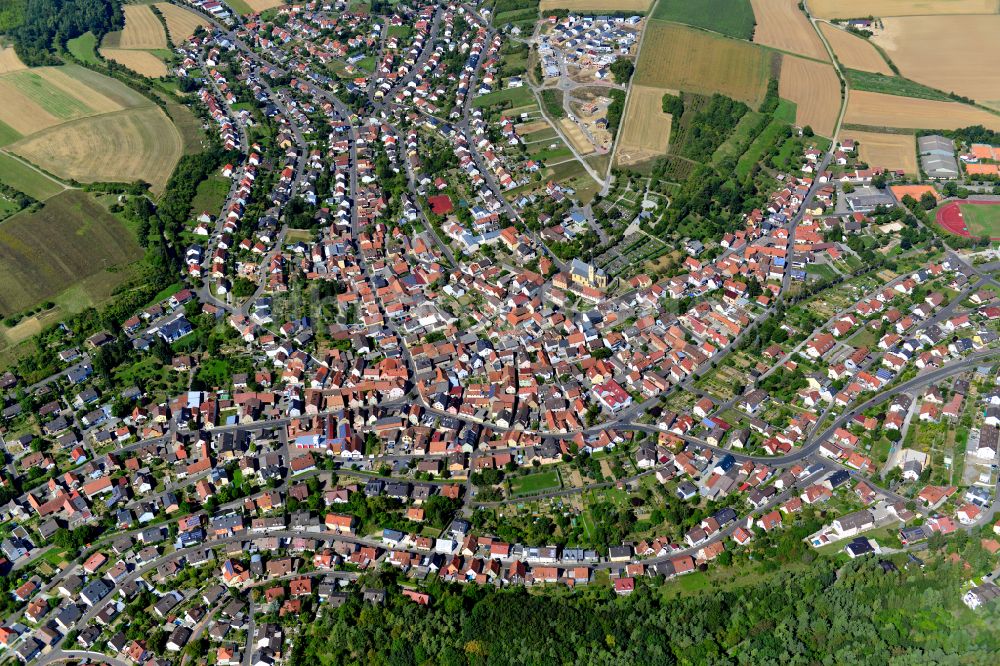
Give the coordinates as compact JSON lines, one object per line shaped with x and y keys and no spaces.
{"x":38,"y":27}
{"x":856,"y":613}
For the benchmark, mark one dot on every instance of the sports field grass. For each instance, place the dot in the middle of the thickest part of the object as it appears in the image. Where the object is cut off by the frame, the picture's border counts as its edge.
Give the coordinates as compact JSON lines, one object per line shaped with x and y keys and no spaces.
{"x":22,"y":177}
{"x":535,"y":483}
{"x":72,"y":240}
{"x":730,"y":17}
{"x":892,"y":85}
{"x":982,"y":220}
{"x":84,"y":48}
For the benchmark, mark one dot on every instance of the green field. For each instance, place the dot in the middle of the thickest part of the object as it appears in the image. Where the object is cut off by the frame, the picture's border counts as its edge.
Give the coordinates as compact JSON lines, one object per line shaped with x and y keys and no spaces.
{"x":982,"y":220}
{"x":760,"y":146}
{"x":535,"y":483}
{"x":892,"y":85}
{"x":72,"y":246}
{"x":47,"y":96}
{"x":22,"y":177}
{"x":730,"y":17}
{"x":786,"y":111}
{"x":210,"y":196}
{"x":510,"y":96}
{"x":84,"y":48}
{"x":8,"y":134}
{"x":739,"y":140}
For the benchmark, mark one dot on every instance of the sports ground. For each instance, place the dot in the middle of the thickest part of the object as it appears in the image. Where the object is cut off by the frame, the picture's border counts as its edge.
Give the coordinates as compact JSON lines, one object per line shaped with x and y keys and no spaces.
{"x":971,"y":218}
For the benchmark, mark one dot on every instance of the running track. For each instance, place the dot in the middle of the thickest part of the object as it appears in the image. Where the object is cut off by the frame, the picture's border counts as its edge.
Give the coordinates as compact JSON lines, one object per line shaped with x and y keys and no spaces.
{"x":949,"y":216}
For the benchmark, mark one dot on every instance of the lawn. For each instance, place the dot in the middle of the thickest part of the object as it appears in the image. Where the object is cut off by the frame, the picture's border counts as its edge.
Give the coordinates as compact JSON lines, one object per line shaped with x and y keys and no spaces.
{"x":730,"y":17}
{"x":512,"y":97}
{"x":981,"y":220}
{"x":821,"y":271}
{"x":84,"y":48}
{"x":22,"y":177}
{"x":535,"y":483}
{"x":892,"y":85}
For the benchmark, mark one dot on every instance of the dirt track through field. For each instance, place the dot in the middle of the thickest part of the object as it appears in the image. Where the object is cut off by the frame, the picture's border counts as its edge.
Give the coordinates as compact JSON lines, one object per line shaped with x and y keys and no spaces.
{"x":782,"y":25}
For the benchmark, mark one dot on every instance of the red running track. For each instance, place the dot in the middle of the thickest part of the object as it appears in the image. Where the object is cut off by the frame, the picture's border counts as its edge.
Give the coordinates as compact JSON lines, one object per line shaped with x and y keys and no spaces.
{"x":949,"y":216}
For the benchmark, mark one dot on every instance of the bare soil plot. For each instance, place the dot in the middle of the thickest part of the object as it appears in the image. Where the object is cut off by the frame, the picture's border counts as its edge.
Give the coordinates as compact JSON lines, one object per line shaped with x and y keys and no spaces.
{"x":890,"y":151}
{"x":880,"y":110}
{"x":951,"y":53}
{"x":143,"y":29}
{"x":815,"y":89}
{"x":140,"y":62}
{"x":125,"y":146}
{"x":532,"y":126}
{"x":681,"y":58}
{"x":593,"y":5}
{"x":853,"y":51}
{"x":782,"y":25}
{"x":181,"y":23}
{"x":882,"y":8}
{"x":9,"y":62}
{"x":576,"y":136}
{"x":645,"y":132}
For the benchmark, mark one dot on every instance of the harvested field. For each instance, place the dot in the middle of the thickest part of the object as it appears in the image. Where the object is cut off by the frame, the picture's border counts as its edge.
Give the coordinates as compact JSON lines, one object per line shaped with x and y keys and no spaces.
{"x":889,"y":151}
{"x":9,"y":62}
{"x":21,"y":113}
{"x":782,"y":25}
{"x":143,"y":29}
{"x":962,"y":59}
{"x":681,"y":58}
{"x":879,"y":110}
{"x":645,"y":130}
{"x":815,"y":89}
{"x":71,"y":240}
{"x":881,"y":8}
{"x":595,"y":5}
{"x":260,"y":5}
{"x":854,"y":52}
{"x":125,"y":146}
{"x":181,"y":22}
{"x":576,"y":137}
{"x":532,"y":126}
{"x":140,"y":62}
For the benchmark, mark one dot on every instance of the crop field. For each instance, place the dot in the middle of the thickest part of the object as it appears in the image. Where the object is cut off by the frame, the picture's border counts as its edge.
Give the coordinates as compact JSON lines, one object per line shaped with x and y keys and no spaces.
{"x":76,"y":123}
{"x":140,"y":62}
{"x":72,"y":239}
{"x":815,"y":89}
{"x":181,"y":23}
{"x":782,"y":25}
{"x":257,"y":6}
{"x":645,"y":130}
{"x":596,"y":5}
{"x":890,"y":151}
{"x":9,"y":62}
{"x":131,"y":144}
{"x":143,"y":30}
{"x":22,"y":177}
{"x":729,"y":17}
{"x":951,"y":53}
{"x":879,"y":110}
{"x":881,"y":8}
{"x":679,"y":58}
{"x":854,"y":52}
